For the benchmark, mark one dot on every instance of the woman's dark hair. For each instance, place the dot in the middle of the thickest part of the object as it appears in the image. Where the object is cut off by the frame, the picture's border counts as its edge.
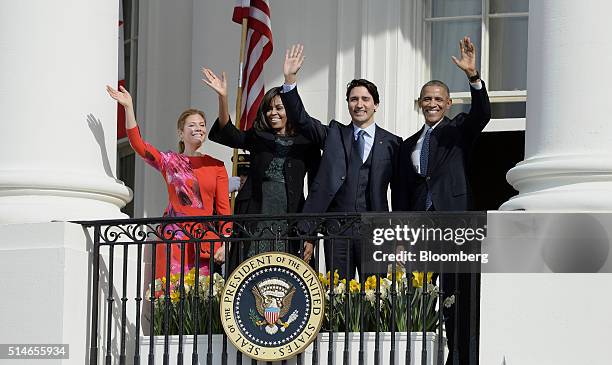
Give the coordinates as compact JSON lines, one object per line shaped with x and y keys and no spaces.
{"x":365,"y":83}
{"x":261,"y":123}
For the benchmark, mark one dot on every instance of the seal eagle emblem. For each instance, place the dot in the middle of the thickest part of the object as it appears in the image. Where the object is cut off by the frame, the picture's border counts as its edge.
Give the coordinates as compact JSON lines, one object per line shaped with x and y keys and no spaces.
{"x":273,"y":302}
{"x":272,"y":306}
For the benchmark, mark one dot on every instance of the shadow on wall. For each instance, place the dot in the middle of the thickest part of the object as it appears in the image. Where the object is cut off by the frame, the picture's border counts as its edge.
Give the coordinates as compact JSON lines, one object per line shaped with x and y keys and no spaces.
{"x":98,"y":131}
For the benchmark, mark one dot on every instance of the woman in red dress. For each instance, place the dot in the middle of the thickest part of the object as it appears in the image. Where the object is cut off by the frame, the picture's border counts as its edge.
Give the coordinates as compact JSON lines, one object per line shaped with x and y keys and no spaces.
{"x":197,"y":183}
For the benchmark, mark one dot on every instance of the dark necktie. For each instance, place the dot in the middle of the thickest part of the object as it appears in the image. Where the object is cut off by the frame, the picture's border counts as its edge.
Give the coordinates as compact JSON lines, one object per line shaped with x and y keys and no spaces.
{"x":360,"y":143}
{"x":424,"y":160}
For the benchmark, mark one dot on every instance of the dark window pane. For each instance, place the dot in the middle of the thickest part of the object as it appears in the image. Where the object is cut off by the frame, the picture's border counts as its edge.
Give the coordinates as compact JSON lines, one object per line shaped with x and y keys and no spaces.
{"x":509,"y":6}
{"x":508,"y":110}
{"x":127,"y":18}
{"x":498,"y":110}
{"x":126,"y":174}
{"x":493,"y":155}
{"x":127,"y":56}
{"x":442,"y":8}
{"x":458,"y":108}
{"x":445,"y":38}
{"x":508,"y":54}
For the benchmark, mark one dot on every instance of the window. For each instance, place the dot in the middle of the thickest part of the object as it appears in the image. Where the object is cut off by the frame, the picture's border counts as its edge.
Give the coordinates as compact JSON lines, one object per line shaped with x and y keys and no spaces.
{"x":498,"y":28}
{"x":125,"y":154}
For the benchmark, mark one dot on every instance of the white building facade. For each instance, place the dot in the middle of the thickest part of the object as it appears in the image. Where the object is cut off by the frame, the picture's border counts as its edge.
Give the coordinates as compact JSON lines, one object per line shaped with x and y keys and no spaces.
{"x":58,"y":147}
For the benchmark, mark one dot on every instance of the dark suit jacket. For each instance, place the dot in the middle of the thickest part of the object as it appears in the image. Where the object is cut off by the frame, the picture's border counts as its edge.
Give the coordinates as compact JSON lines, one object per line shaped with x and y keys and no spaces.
{"x":449,"y":155}
{"x":336,"y":142}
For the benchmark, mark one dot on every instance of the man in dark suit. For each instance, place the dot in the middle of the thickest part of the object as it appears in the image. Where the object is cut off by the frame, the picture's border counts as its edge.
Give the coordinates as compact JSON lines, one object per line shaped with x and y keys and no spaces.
{"x":438,"y":180}
{"x":357,"y":162}
{"x":432,"y":166}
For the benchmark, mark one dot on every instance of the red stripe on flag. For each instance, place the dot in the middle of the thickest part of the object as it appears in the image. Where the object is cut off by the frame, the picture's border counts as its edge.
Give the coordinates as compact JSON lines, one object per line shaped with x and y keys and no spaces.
{"x":258,"y":49}
{"x":121,"y":132}
{"x":241,"y":11}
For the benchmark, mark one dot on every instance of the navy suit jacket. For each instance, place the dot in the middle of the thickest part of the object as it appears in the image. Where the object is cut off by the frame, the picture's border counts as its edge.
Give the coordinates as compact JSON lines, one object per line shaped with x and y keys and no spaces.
{"x":449,"y":155}
{"x":336,"y":141}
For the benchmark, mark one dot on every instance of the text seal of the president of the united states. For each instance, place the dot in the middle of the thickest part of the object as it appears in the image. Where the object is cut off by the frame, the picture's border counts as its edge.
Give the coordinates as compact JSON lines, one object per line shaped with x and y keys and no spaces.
{"x":272,"y":306}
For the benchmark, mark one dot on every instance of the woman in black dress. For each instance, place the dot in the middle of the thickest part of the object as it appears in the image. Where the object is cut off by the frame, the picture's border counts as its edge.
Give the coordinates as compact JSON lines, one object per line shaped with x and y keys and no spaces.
{"x":280,"y":159}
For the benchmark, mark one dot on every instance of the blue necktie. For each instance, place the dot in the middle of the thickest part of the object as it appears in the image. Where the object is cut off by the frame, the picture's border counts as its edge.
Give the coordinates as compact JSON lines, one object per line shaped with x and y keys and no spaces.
{"x":360,"y":143}
{"x":424,"y":160}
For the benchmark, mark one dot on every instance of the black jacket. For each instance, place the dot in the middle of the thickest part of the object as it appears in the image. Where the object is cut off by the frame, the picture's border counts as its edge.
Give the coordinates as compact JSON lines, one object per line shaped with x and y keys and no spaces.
{"x":303,"y":158}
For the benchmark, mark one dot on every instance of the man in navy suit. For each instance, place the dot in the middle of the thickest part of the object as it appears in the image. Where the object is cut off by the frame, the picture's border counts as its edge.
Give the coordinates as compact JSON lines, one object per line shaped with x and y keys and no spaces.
{"x":357,"y":163}
{"x":432,"y":166}
{"x":444,"y":185}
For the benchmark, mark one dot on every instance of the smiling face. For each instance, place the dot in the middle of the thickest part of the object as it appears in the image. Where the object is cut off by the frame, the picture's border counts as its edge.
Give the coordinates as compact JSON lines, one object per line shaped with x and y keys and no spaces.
{"x":434,"y":103}
{"x":361,"y":106}
{"x":276,"y":115}
{"x":193,"y":132}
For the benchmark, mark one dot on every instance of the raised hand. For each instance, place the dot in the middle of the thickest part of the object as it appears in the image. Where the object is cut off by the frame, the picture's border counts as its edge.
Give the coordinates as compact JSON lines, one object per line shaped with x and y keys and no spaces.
{"x":308,"y":250}
{"x":215,"y":83}
{"x":219,"y":255}
{"x":294,"y":58}
{"x":122,"y":96}
{"x":467,"y":62}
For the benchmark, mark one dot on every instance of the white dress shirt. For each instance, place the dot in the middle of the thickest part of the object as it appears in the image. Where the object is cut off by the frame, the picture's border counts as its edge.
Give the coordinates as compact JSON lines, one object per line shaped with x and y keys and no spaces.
{"x":416,"y":154}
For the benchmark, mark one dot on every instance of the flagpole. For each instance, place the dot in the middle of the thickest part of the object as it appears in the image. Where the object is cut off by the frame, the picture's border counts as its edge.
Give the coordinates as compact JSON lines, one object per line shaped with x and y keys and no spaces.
{"x":239,"y":100}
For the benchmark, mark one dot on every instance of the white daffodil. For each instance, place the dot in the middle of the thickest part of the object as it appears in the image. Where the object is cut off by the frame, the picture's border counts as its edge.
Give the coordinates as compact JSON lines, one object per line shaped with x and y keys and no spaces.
{"x":449,"y":301}
{"x":340,"y":289}
{"x":370,"y":295}
{"x":433,"y":290}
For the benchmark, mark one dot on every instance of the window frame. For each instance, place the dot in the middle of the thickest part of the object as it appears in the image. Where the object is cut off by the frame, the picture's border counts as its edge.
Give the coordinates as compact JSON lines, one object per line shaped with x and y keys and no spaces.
{"x":498,"y":96}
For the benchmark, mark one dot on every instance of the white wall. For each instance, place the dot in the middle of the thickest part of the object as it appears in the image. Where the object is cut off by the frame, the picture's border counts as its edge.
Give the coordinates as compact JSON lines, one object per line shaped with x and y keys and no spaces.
{"x":164,"y":84}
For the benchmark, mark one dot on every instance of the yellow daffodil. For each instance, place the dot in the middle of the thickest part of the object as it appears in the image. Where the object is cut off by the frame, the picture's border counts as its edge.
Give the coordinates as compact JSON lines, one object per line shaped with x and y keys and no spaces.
{"x":175,"y":296}
{"x":370,"y":283}
{"x":417,"y":279}
{"x":354,"y":286}
{"x":323,"y":280}
{"x":190,"y":278}
{"x":399,"y":274}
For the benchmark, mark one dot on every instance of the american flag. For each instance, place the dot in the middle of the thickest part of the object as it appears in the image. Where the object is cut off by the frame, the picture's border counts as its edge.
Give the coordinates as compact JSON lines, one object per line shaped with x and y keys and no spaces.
{"x":258,"y":49}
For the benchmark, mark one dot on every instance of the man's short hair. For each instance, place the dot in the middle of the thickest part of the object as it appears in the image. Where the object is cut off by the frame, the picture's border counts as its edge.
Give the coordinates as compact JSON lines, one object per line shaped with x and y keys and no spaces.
{"x":365,"y":83}
{"x":435,"y":83}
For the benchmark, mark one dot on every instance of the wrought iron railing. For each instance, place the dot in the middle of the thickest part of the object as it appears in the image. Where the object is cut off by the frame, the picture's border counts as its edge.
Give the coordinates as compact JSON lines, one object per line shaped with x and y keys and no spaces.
{"x":194,"y":233}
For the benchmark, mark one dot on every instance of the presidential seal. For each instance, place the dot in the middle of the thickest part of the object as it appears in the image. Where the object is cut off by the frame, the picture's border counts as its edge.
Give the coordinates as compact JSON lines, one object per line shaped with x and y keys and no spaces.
{"x":272,"y":306}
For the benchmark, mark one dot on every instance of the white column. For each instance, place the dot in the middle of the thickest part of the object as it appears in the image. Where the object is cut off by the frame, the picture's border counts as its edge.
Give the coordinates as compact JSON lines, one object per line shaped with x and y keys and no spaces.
{"x":58,"y":136}
{"x":568,"y":141}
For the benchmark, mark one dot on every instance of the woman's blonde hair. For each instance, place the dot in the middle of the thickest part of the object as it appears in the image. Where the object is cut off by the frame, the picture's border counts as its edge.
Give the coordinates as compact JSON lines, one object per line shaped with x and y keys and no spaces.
{"x":180,"y":124}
